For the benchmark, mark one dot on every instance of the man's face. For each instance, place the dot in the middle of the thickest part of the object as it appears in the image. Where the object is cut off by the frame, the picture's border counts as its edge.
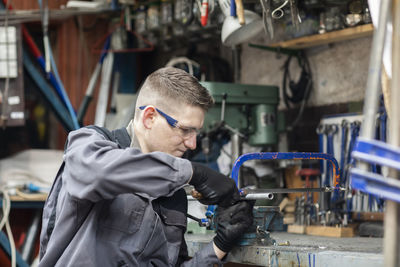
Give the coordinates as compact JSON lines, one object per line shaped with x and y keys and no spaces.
{"x":176,"y":140}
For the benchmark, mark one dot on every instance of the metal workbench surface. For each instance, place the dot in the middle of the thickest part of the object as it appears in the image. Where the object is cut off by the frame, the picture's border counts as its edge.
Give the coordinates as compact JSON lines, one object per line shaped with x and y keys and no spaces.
{"x":302,"y":251}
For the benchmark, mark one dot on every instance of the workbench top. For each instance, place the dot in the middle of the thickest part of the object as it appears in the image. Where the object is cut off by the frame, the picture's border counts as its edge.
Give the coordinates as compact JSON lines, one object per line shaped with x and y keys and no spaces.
{"x":302,"y":250}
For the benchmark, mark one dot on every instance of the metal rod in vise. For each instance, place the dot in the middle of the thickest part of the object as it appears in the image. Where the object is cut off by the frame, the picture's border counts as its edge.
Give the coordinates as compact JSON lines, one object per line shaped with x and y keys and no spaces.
{"x":254,"y":196}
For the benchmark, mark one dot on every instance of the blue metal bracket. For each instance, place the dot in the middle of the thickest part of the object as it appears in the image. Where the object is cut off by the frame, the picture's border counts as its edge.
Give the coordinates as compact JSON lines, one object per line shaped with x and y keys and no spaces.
{"x":286,"y":155}
{"x":375,"y":184}
{"x":376,"y":152}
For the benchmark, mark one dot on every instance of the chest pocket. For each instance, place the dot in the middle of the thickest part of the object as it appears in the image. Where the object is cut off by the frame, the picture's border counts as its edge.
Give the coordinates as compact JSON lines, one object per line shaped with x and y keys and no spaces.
{"x":173,"y":218}
{"x":172,"y":210}
{"x":124,"y":213}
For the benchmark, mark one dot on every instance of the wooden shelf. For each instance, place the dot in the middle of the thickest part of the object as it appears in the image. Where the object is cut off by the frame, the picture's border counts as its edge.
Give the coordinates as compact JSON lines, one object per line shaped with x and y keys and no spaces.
{"x":326,"y":38}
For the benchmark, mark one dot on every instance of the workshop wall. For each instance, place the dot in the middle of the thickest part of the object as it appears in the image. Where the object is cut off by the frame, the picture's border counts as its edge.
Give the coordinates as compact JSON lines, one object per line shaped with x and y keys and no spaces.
{"x":339,"y":78}
{"x":339,"y":70}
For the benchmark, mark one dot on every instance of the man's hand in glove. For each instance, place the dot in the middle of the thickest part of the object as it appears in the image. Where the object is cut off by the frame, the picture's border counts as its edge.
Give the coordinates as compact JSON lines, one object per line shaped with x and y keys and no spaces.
{"x":214,"y":187}
{"x":231,"y":223}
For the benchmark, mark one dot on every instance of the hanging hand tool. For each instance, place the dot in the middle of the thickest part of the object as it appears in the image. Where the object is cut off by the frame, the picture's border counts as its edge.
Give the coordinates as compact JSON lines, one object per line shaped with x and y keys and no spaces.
{"x":294,"y":11}
{"x":44,"y":9}
{"x":320,"y":132}
{"x":354,"y":131}
{"x":240,"y":12}
{"x":204,"y":12}
{"x":330,"y":132}
{"x":102,"y":101}
{"x":267,"y":18}
{"x":343,"y":151}
{"x":184,"y":12}
{"x":92,"y":84}
{"x":325,"y":200}
{"x":54,"y":79}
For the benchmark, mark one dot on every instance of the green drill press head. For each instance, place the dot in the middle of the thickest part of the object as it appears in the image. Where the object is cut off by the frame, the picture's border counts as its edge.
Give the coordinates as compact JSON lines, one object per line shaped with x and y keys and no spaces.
{"x":250,"y":109}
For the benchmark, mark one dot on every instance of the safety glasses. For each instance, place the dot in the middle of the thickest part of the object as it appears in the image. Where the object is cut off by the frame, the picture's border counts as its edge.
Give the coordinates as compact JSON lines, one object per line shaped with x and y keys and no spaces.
{"x":186,"y":132}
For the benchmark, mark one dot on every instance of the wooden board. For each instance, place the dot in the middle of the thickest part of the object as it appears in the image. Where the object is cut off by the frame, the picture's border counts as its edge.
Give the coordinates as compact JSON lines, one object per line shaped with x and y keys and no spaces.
{"x":330,"y":231}
{"x":368,"y":216}
{"x":33,"y":197}
{"x":285,"y":203}
{"x":326,"y":38}
{"x":288,"y":218}
{"x":289,"y":209}
{"x":296,"y":229}
{"x":293,"y":181}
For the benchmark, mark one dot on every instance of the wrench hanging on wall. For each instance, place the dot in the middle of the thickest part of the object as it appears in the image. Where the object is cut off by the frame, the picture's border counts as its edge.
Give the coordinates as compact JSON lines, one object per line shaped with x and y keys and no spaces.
{"x":267,"y":18}
{"x":343,"y":150}
{"x":294,"y":11}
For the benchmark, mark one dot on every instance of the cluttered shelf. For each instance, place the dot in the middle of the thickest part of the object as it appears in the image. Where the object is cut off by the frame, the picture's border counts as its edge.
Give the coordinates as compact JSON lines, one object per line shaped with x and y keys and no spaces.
{"x":326,"y":38}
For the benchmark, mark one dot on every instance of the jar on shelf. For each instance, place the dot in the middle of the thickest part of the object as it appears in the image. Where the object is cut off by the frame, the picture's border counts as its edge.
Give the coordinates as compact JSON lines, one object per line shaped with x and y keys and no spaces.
{"x":153,"y":16}
{"x":140,"y":19}
{"x":166,"y":12}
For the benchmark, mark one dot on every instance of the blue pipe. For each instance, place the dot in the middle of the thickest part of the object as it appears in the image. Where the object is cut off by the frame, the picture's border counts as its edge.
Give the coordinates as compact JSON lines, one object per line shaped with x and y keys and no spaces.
{"x":64,"y":93}
{"x":50,"y":96}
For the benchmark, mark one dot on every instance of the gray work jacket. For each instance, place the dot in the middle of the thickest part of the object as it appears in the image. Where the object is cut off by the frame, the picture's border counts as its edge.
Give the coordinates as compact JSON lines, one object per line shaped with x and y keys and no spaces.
{"x":100,"y":209}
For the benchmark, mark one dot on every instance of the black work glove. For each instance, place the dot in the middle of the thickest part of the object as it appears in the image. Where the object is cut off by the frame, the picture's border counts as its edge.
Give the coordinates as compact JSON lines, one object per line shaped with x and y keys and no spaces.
{"x":214,"y":187}
{"x":231,"y":223}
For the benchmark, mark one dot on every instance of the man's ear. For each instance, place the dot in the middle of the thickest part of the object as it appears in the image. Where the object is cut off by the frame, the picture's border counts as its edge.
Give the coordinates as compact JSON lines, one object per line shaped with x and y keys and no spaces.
{"x":149,"y":116}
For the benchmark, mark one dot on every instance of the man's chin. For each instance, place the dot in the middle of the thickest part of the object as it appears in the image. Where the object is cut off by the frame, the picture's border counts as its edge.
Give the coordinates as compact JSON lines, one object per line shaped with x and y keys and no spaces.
{"x":178,"y":153}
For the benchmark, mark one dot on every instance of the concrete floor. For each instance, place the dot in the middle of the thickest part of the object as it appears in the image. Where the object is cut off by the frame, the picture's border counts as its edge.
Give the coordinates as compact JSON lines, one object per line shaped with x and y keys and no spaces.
{"x":303,"y":250}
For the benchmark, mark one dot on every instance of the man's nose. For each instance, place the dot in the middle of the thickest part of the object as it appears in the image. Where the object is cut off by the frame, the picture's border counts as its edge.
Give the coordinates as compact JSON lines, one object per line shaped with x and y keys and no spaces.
{"x":190,"y":143}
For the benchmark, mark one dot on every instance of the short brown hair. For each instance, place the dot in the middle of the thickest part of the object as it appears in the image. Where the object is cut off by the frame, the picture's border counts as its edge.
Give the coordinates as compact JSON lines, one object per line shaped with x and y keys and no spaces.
{"x":175,"y":85}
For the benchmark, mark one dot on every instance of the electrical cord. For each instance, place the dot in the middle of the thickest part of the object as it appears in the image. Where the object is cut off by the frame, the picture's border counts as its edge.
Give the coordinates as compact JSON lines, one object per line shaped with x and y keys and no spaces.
{"x":297,"y":92}
{"x":29,"y":196}
{"x":183,"y":60}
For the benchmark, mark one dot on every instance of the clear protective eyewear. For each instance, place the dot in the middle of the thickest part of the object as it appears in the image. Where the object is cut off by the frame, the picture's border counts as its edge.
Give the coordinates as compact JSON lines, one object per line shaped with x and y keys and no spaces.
{"x":186,"y":132}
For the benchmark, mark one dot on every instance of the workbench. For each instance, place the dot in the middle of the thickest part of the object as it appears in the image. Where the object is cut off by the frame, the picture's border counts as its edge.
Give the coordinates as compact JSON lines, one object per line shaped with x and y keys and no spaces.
{"x":302,"y":251}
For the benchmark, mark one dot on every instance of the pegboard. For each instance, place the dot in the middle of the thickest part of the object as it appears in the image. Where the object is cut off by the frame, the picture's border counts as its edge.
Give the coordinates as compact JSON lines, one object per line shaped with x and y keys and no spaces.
{"x":12,"y":100}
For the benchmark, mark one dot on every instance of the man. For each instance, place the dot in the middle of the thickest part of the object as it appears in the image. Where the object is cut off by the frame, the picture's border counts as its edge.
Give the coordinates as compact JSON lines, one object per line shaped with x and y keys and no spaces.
{"x":122,"y":203}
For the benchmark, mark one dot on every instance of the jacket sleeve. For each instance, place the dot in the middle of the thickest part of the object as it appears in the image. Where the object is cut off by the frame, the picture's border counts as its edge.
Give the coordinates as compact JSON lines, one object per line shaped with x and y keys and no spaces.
{"x":96,"y":169}
{"x":204,"y":257}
